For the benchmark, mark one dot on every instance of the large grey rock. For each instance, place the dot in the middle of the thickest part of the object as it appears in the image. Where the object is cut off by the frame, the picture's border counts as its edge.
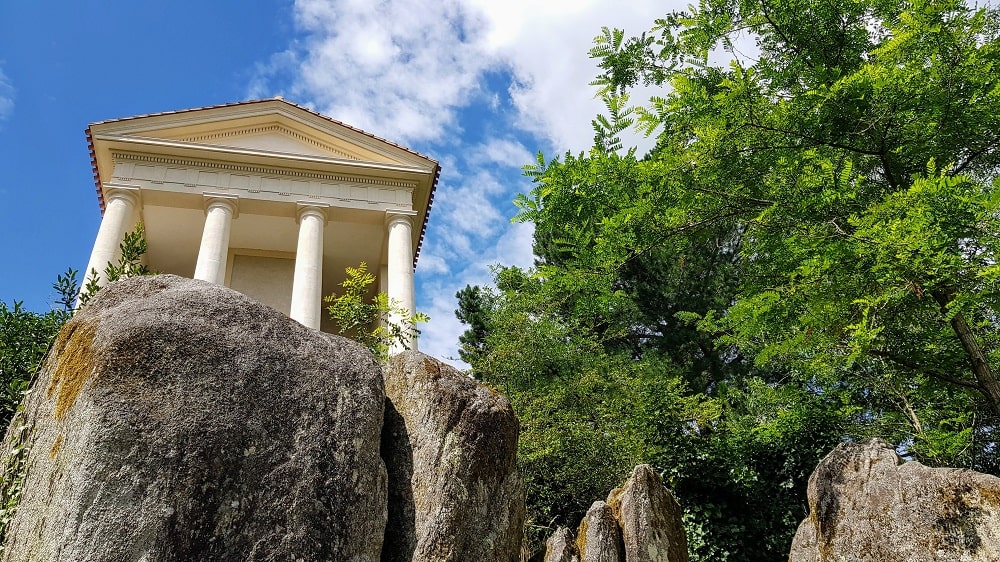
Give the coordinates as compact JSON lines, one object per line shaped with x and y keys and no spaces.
{"x":599,"y":538}
{"x":650,"y":519}
{"x":865,"y":503}
{"x":560,"y":547}
{"x":179,"y":420}
{"x":450,"y":446}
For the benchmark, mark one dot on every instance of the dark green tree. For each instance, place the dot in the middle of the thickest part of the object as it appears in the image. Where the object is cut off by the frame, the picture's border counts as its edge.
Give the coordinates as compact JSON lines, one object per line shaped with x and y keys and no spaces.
{"x":472,"y":311}
{"x":808,"y":254}
{"x":25,"y":338}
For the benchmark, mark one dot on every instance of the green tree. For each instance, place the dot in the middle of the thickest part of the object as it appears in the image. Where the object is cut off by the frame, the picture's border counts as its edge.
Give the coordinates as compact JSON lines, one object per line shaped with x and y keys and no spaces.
{"x":808,"y":254}
{"x":584,"y":411}
{"x":857,"y":156}
{"x":25,"y":338}
{"x":851,"y":169}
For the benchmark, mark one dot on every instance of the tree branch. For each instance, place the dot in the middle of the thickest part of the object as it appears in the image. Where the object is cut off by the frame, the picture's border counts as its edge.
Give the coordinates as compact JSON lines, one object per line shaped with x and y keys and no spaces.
{"x":788,"y":42}
{"x":975,"y":154}
{"x":906,"y":363}
{"x":819,"y":142}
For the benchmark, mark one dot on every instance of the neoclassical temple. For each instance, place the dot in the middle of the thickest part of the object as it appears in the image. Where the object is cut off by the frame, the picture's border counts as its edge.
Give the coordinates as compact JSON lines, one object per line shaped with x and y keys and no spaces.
{"x":266,"y":197}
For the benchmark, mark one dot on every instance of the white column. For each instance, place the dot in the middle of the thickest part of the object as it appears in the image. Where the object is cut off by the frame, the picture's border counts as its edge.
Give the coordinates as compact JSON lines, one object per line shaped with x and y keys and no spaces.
{"x":118,"y":213}
{"x":400,"y":269}
{"x":307,"y":282}
{"x":219,"y":214}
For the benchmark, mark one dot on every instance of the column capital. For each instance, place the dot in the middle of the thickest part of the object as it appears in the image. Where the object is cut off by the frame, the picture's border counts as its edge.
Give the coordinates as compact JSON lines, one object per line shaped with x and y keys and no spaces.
{"x":226,"y":200}
{"x":127,"y":193}
{"x":399,"y":215}
{"x":311,"y":208}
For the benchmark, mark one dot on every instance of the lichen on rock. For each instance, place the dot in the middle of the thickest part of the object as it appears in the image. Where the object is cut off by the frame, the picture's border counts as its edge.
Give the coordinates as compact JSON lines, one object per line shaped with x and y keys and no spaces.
{"x":74,"y":348}
{"x":180,"y":420}
{"x":450,"y":446}
{"x":650,"y":519}
{"x":865,"y":503}
{"x":639,"y":522}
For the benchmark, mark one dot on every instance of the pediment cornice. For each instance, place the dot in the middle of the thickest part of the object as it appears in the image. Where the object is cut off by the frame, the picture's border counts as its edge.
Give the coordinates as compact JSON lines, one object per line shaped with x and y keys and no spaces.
{"x":222,"y":124}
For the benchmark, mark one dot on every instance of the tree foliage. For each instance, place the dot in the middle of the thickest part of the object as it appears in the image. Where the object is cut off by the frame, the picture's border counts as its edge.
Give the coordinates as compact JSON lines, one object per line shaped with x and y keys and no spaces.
{"x":371,"y":321}
{"x":25,"y":337}
{"x":856,"y":158}
{"x":808,"y":254}
{"x":580,"y":406}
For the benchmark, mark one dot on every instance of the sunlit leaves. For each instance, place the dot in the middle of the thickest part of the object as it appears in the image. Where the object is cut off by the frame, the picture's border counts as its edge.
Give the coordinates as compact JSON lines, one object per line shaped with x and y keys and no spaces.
{"x":371,"y":320}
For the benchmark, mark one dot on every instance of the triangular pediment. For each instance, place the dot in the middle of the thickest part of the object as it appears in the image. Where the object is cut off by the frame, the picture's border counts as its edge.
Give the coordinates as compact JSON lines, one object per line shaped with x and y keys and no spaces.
{"x":273,"y":127}
{"x":276,"y":138}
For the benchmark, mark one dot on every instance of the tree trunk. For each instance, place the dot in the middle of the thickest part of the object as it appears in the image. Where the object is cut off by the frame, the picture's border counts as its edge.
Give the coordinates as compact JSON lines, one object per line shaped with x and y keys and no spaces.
{"x":984,"y":373}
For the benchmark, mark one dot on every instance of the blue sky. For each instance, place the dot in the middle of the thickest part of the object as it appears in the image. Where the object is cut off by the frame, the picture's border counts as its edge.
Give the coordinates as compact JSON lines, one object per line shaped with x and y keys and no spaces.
{"x":481,"y":86}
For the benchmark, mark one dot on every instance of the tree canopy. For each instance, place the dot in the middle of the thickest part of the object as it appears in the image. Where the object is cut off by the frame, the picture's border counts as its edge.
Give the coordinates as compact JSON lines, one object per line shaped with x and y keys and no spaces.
{"x":808,"y":254}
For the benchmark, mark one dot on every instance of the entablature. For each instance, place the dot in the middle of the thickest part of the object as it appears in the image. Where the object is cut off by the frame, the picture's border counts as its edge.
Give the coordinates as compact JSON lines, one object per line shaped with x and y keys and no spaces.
{"x":262,"y":183}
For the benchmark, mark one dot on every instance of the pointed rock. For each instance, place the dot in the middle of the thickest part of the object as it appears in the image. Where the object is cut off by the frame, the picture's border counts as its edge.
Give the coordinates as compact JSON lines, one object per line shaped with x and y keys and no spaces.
{"x":650,"y":519}
{"x":560,"y":547}
{"x":599,"y":539}
{"x":865,"y":503}
{"x":450,"y":445}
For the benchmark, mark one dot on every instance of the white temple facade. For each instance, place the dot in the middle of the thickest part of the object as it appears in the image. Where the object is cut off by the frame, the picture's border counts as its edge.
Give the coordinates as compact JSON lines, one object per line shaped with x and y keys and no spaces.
{"x":265,"y":197}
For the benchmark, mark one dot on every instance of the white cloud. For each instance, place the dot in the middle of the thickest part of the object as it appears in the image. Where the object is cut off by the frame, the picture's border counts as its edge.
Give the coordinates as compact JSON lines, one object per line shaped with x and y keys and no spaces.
{"x":6,"y":96}
{"x":465,"y":218}
{"x":267,"y":73}
{"x":515,"y":246}
{"x":433,"y":264}
{"x":397,"y":68}
{"x":468,"y":212}
{"x":506,"y":151}
{"x":402,"y":68}
{"x":548,"y":50}
{"x":449,"y":168}
{"x":484,"y":182}
{"x":439,"y":337}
